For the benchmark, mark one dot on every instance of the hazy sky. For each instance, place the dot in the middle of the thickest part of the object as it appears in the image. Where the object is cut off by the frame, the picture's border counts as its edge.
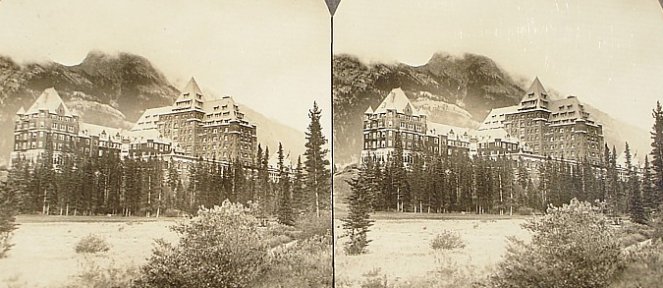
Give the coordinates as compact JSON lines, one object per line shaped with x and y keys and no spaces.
{"x":608,"y":53}
{"x":270,"y":55}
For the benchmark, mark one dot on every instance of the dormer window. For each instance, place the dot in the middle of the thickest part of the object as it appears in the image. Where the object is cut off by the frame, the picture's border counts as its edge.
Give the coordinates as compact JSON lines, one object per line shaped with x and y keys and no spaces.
{"x":186,"y":95}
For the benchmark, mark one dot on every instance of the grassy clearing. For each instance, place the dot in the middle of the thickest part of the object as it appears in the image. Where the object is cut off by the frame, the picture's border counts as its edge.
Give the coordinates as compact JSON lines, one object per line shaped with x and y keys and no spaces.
{"x":401,"y":252}
{"x":44,"y":254}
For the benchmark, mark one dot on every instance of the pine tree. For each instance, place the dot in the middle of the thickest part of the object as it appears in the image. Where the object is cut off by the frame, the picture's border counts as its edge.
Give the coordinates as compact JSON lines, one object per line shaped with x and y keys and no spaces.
{"x":285,"y":214}
{"x":264,"y":199}
{"x":657,"y":152}
{"x":174,"y":198}
{"x":358,"y":222}
{"x":617,"y":193}
{"x":398,"y":173}
{"x":239,"y":182}
{"x":317,"y":165}
{"x":46,"y":177}
{"x":636,"y":210}
{"x":648,"y":195}
{"x":298,"y":187}
{"x":9,"y":203}
{"x":18,"y":180}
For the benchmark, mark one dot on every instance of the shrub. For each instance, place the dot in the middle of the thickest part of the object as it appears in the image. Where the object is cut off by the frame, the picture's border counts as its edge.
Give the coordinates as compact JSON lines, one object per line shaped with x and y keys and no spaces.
{"x":110,"y":276}
{"x":374,"y":279}
{"x":311,"y":225}
{"x":657,"y":234}
{"x":643,"y":268}
{"x":448,"y":274}
{"x":524,"y":210}
{"x":308,"y":263}
{"x":92,"y":244}
{"x":170,"y":212}
{"x":221,"y":247}
{"x":8,"y":211}
{"x":571,"y":246}
{"x":447,"y":240}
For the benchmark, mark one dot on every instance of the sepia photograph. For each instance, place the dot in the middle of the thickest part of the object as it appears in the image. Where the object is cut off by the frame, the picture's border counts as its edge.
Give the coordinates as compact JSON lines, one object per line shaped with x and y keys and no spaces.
{"x":498,"y":143}
{"x":165,"y":144}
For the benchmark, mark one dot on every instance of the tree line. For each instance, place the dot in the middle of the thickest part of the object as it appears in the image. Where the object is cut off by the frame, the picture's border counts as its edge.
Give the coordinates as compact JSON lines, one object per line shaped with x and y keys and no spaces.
{"x":108,"y":184}
{"x":444,"y":183}
{"x":434,"y":183}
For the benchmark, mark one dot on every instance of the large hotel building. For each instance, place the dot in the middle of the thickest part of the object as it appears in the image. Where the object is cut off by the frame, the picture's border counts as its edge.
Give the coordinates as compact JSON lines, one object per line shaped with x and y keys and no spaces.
{"x":194,"y":126}
{"x":537,"y":128}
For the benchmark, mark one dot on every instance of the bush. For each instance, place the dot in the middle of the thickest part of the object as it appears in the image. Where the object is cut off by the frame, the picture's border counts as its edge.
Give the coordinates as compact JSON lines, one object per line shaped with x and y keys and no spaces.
{"x":221,"y":247}
{"x":447,"y":240}
{"x":92,"y":244}
{"x":373,"y":279}
{"x":170,"y":212}
{"x":110,"y":276}
{"x":311,"y":225}
{"x":8,"y":211}
{"x":571,"y":246}
{"x":308,"y":263}
{"x":524,"y":210}
{"x":644,"y":268}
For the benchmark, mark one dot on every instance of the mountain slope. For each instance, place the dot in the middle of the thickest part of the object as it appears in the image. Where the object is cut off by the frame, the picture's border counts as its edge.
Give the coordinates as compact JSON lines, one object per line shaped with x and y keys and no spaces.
{"x":111,"y":90}
{"x":453,"y":90}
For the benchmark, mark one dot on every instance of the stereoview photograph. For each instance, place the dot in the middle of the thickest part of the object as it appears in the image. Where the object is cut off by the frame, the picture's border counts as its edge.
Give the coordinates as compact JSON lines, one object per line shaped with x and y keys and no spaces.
{"x":498,"y":143}
{"x":165,"y":144}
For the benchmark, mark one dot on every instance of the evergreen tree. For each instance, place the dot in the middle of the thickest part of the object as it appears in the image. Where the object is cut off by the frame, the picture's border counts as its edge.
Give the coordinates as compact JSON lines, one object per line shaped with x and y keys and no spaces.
{"x":358,"y":222}
{"x":238,"y":182}
{"x":285,"y":214}
{"x":298,"y":187}
{"x":175,"y":197}
{"x":317,"y":165}
{"x":617,"y":203}
{"x":398,"y":173}
{"x":46,"y":178}
{"x":18,"y":180}
{"x":657,"y":153}
{"x":264,"y":194}
{"x":636,"y":210}
{"x":648,"y":195}
{"x":417,"y":180}
{"x":9,"y":203}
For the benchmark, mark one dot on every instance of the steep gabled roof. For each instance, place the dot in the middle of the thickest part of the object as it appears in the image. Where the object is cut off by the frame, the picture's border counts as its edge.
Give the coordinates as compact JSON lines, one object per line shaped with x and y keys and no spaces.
{"x":397,"y":100}
{"x":224,"y":108}
{"x":192,"y":87}
{"x":148,"y":119}
{"x":369,"y":110}
{"x":189,"y":96}
{"x":568,"y":109}
{"x":20,"y":111}
{"x":50,"y":101}
{"x":535,"y":97}
{"x":496,"y":117}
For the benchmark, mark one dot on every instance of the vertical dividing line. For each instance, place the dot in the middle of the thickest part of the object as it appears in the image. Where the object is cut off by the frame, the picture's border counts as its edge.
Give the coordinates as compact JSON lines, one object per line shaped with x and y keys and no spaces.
{"x":331,"y":186}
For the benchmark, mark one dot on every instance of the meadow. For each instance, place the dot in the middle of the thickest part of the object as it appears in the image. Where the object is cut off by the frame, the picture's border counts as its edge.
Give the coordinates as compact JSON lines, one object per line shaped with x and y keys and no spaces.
{"x":400,"y":251}
{"x":44,"y":256}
